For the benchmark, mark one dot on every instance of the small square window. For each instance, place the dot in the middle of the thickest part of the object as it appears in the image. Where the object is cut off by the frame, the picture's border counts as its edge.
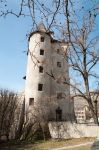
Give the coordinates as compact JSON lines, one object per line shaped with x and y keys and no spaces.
{"x":41,"y":69}
{"x":41,"y":52}
{"x":42,"y":39}
{"x":58,"y":51}
{"x":40,"y":87}
{"x":58,"y":64}
{"x":31,"y":101}
{"x":59,"y":95}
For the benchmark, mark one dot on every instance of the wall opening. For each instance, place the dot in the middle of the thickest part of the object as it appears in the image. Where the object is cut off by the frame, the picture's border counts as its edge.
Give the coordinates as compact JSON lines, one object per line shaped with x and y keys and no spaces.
{"x":31,"y":101}
{"x":58,"y":51}
{"x":59,"y":95}
{"x":58,"y":114}
{"x":42,"y":39}
{"x":41,"y":52}
{"x":41,"y":69}
{"x":59,"y":64}
{"x":40,"y":87}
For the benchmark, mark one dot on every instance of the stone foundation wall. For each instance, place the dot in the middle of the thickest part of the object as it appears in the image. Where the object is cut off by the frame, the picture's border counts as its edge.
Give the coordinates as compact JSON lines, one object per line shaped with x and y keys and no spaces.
{"x":67,"y":130}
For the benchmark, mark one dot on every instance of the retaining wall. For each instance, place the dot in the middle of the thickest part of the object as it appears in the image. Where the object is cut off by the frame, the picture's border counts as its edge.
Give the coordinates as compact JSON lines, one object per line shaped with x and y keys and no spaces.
{"x":67,"y":130}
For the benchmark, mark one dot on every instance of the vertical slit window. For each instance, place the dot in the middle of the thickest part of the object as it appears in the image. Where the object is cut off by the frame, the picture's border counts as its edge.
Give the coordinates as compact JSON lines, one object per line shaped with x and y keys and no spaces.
{"x":41,"y":69}
{"x":31,"y":101}
{"x":41,"y":52}
{"x":42,"y":39}
{"x":40,"y":87}
{"x":58,"y":114}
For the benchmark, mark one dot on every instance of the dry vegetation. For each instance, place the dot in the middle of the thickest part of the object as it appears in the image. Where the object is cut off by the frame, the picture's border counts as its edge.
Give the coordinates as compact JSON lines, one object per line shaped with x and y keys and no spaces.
{"x":82,"y":148}
{"x":47,"y":145}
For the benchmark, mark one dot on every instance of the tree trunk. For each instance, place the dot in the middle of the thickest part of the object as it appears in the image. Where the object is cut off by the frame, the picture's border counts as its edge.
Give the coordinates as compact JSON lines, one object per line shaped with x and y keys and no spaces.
{"x":21,"y":122}
{"x":94,"y":114}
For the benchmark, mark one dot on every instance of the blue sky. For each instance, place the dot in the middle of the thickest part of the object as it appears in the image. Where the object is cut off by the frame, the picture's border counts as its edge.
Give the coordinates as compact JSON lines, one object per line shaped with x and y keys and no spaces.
{"x":13,"y":42}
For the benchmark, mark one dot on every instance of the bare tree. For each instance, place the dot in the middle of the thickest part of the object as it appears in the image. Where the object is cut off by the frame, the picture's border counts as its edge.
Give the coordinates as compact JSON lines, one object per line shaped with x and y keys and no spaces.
{"x":8,"y":106}
{"x":36,"y":119}
{"x":78,"y":33}
{"x":21,"y":122}
{"x":83,"y":56}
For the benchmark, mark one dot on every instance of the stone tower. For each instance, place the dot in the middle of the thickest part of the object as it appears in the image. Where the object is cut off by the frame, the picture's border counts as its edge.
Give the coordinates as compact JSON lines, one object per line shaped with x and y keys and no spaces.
{"x":47,"y":71}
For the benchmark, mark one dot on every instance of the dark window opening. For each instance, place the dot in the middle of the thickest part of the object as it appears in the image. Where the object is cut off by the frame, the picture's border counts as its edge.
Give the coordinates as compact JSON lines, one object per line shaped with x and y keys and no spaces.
{"x":42,"y":39}
{"x":58,"y":51}
{"x":41,"y":69}
{"x":58,"y":114}
{"x":59,"y":95}
{"x":41,"y":52}
{"x":31,"y":101}
{"x":58,"y":64}
{"x":24,"y":77}
{"x":40,"y":87}
{"x":65,"y":79}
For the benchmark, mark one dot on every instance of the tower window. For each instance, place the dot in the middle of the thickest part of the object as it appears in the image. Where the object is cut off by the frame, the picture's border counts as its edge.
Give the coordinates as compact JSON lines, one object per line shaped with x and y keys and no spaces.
{"x":58,"y":114}
{"x":41,"y":52}
{"x":59,"y":64}
{"x":31,"y":101}
{"x":41,"y":69}
{"x":40,"y":87}
{"x":59,"y":95}
{"x":42,"y":39}
{"x":58,"y":51}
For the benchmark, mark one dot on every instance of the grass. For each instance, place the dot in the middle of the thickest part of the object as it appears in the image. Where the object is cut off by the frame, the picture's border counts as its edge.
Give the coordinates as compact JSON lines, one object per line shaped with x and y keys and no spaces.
{"x":82,"y":148}
{"x":47,"y":145}
{"x":56,"y":144}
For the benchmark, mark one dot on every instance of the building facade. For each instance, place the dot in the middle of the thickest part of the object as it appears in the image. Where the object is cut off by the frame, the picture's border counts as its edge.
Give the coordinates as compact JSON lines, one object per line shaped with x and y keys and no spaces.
{"x":82,"y":110}
{"x":80,"y":114}
{"x":47,"y":72}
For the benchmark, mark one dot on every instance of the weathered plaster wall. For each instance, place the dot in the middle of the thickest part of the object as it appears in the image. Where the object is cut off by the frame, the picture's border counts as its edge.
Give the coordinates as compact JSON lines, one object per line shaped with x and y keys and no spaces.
{"x":50,"y":86}
{"x":67,"y":130}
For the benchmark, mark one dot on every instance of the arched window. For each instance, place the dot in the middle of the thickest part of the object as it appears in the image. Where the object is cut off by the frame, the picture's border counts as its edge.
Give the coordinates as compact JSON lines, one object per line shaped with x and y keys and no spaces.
{"x":58,"y":114}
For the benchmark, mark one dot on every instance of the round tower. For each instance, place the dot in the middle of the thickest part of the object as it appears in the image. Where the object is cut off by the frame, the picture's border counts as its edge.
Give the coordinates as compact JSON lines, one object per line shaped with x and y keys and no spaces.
{"x":38,"y":60}
{"x":47,"y":72}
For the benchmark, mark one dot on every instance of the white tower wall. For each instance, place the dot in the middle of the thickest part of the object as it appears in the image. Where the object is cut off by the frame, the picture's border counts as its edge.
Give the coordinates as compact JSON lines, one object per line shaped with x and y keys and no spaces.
{"x":53,"y":76}
{"x":33,"y":77}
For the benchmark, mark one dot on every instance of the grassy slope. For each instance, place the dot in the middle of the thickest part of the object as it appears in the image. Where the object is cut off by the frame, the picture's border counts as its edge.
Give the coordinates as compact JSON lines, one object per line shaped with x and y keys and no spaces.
{"x":54,"y":144}
{"x":82,"y":148}
{"x":47,"y":145}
